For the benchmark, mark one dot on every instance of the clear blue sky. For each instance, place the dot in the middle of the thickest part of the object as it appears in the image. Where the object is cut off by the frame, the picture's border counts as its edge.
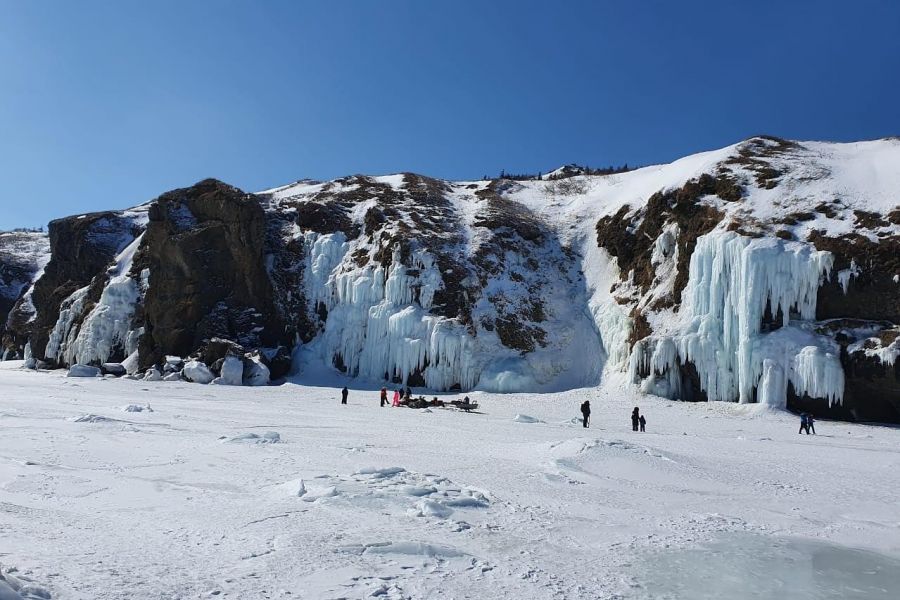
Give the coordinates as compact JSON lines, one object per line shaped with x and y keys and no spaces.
{"x":106,"y":104}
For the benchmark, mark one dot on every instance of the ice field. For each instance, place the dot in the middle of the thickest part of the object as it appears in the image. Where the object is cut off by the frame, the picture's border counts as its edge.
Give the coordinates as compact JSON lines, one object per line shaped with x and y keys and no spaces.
{"x":281,"y":492}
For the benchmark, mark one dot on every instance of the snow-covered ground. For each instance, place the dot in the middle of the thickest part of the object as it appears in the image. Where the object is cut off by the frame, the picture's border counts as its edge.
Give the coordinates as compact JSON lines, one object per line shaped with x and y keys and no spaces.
{"x":195,"y":498}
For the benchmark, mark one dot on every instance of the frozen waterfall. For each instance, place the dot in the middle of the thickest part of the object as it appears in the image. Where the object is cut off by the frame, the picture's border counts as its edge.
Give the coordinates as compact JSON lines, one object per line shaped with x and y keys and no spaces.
{"x":378,"y":324}
{"x":733,"y":281}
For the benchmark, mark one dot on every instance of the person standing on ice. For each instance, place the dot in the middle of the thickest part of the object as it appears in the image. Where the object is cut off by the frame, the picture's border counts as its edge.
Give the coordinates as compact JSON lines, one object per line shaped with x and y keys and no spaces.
{"x":396,"y":401}
{"x":586,"y":412}
{"x":643,"y":422}
{"x":635,"y":418}
{"x":344,"y":393}
{"x":804,"y":424}
{"x":383,"y":396}
{"x":810,"y":424}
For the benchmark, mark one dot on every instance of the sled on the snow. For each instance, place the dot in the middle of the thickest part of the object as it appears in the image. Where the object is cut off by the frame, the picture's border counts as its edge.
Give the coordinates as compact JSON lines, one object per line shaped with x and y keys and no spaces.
{"x":421,"y":402}
{"x":466,"y":406}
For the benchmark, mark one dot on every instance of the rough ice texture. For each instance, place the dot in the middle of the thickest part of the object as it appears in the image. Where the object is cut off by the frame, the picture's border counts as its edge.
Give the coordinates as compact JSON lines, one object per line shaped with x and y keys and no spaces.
{"x":83,"y":371}
{"x":375,"y":325}
{"x":733,"y":281}
{"x":107,"y":327}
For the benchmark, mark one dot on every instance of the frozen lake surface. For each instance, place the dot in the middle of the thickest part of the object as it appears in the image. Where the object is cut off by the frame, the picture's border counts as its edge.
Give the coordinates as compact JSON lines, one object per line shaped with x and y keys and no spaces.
{"x":755,"y":567}
{"x":281,"y":492}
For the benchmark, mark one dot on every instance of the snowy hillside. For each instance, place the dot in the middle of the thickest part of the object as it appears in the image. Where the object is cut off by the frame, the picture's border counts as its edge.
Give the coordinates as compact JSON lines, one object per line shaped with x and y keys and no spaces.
{"x":767,"y":271}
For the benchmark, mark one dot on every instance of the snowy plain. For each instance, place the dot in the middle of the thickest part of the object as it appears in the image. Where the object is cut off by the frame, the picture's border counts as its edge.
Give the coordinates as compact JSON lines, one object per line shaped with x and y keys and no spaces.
{"x":101,"y":498}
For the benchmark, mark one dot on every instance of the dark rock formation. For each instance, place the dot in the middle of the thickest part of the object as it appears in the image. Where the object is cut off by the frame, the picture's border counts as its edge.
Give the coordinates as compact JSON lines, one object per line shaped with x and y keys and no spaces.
{"x":629,"y":235}
{"x":871,"y":293}
{"x":82,"y":248}
{"x":22,"y":255}
{"x":205,"y":251}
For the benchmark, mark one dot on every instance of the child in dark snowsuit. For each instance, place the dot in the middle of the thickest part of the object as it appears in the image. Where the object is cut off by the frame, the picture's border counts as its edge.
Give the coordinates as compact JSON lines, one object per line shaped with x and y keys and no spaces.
{"x":586,"y":412}
{"x":635,"y":418}
{"x":383,"y":396}
{"x":344,"y":393}
{"x":810,"y":424}
{"x":643,"y":422}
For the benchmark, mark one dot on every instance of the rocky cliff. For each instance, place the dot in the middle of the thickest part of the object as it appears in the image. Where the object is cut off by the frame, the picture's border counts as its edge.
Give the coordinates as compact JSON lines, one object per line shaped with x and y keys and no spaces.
{"x":23,"y":256}
{"x":766,"y":272}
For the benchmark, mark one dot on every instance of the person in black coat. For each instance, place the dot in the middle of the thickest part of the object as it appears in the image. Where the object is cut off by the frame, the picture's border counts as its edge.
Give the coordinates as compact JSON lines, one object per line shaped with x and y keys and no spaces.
{"x":344,"y":393}
{"x":643,"y":422}
{"x":586,"y":412}
{"x":635,"y":418}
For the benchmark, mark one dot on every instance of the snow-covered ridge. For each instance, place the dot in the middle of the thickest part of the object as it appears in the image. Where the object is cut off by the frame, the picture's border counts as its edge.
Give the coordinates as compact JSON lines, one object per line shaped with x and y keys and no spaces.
{"x":714,"y":277}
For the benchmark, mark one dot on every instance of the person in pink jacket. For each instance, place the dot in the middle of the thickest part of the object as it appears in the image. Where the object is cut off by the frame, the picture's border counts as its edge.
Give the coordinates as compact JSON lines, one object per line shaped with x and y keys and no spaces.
{"x":396,"y":401}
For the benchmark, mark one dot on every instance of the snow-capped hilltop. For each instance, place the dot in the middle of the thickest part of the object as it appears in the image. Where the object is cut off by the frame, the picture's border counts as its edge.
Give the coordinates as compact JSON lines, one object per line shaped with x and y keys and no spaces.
{"x":767,"y":271}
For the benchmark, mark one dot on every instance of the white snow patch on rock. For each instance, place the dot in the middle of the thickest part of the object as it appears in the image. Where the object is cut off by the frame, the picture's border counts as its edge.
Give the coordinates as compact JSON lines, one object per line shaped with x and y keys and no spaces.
{"x":232,"y":372}
{"x":197,"y":372}
{"x":153,"y":374}
{"x":256,"y":373}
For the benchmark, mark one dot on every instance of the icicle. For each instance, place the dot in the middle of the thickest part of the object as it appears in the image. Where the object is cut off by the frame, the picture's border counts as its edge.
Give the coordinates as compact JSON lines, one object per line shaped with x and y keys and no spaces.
{"x":732,"y":279}
{"x":818,"y":374}
{"x":844,"y":275}
{"x":70,"y":309}
{"x":108,"y":325}
{"x":378,"y":325}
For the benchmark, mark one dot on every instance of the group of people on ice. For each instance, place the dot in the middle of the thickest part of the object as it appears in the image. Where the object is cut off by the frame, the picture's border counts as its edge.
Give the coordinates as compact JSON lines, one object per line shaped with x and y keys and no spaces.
{"x":405,"y":398}
{"x":637,"y":419}
{"x":807,"y":423}
{"x":638,"y":422}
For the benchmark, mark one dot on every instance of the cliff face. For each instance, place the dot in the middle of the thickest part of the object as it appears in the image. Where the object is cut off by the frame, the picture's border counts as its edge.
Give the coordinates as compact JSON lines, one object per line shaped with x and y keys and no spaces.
{"x":770,"y":275}
{"x":81,"y":250}
{"x":204,"y":255}
{"x":427,"y":282}
{"x":764,"y":272}
{"x":23,"y":256}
